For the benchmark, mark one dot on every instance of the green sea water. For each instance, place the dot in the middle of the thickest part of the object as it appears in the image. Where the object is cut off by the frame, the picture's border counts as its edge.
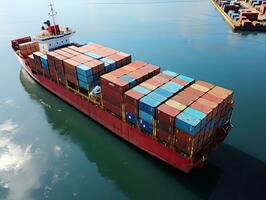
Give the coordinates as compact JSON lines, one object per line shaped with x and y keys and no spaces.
{"x":48,"y":150}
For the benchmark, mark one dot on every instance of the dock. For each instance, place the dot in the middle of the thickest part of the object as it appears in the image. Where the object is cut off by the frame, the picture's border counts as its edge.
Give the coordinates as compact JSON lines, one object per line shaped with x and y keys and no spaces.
{"x":236,"y":25}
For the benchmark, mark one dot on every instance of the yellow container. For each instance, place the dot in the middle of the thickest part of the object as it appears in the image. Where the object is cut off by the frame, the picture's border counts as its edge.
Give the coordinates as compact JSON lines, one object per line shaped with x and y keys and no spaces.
{"x":200,"y":88}
{"x":148,"y":86}
{"x":175,"y":105}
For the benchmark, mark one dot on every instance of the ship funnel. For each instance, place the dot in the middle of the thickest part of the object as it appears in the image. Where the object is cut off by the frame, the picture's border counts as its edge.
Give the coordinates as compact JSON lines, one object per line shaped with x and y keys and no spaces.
{"x":48,"y":23}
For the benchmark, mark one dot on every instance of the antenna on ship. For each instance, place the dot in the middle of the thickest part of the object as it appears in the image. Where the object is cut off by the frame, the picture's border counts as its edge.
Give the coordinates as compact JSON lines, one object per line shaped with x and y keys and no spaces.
{"x":52,"y":13}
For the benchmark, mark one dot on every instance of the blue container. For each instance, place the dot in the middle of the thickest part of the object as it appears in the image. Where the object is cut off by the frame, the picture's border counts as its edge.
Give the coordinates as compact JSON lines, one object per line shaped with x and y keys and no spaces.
{"x":186,"y":78}
{"x":208,"y":126}
{"x":146,"y":126}
{"x":93,"y":55}
{"x":170,"y":73}
{"x":108,"y":61}
{"x":148,"y":105}
{"x":146,"y":117}
{"x":163,"y":92}
{"x":96,"y":77}
{"x":221,"y":122}
{"x":86,"y":79}
{"x":187,"y":123}
{"x":45,"y":66}
{"x":141,"y":90}
{"x":213,"y":121}
{"x":131,"y":118}
{"x":157,"y":97}
{"x":92,"y":86}
{"x":107,"y":67}
{"x":132,"y":82}
{"x":44,"y":59}
{"x":83,"y":85}
{"x":84,"y":70}
{"x":172,"y":87}
{"x":197,"y":114}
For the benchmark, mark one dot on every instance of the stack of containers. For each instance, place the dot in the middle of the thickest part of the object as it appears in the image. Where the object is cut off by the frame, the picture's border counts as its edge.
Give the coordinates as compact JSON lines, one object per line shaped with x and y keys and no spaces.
{"x":59,"y":64}
{"x":90,"y":61}
{"x":37,"y":60}
{"x":117,"y":82}
{"x":166,"y":113}
{"x":70,"y":73}
{"x":52,"y":67}
{"x":208,"y":108}
{"x":31,"y":63}
{"x":28,"y":48}
{"x":158,"y":95}
{"x":88,"y":74}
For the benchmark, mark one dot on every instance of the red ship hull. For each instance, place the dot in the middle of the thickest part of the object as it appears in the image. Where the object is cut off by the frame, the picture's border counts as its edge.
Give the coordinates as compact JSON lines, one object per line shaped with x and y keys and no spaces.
{"x":124,"y":130}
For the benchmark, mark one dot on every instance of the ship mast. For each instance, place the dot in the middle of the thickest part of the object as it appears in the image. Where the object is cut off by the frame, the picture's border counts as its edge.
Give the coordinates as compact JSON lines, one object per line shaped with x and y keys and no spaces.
{"x":52,"y":13}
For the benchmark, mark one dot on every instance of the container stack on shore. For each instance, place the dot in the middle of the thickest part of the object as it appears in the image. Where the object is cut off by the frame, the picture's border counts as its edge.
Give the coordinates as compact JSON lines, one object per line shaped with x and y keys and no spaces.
{"x":79,"y":67}
{"x":246,"y":17}
{"x":117,"y":82}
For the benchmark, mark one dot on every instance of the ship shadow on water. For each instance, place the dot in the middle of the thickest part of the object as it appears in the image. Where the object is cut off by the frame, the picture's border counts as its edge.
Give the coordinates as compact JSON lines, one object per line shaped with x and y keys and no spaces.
{"x":229,"y":173}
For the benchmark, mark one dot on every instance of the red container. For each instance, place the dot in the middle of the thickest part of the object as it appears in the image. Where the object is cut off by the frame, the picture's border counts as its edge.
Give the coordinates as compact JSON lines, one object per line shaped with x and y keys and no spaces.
{"x":79,"y":59}
{"x":137,"y":75}
{"x":75,"y":48}
{"x":205,"y":84}
{"x":151,"y":69}
{"x":131,"y":109}
{"x":64,"y":53}
{"x":95,"y":65}
{"x":115,"y":84}
{"x":188,"y":95}
{"x":222,"y":93}
{"x":166,"y":114}
{"x":194,"y":92}
{"x":114,"y":109}
{"x":70,"y":64}
{"x":210,"y":104}
{"x":71,"y":72}
{"x":51,"y":55}
{"x":155,"y":82}
{"x":119,"y":72}
{"x":111,"y":94}
{"x":70,"y":51}
{"x":185,"y":142}
{"x":164,"y":136}
{"x":221,"y":103}
{"x":165,"y":76}
{"x":160,"y":78}
{"x":137,"y":64}
{"x":165,"y":117}
{"x":71,"y":79}
{"x":31,"y":62}
{"x":180,"y":82}
{"x":126,"y":57}
{"x":132,"y":97}
{"x":89,"y":47}
{"x":183,"y":100}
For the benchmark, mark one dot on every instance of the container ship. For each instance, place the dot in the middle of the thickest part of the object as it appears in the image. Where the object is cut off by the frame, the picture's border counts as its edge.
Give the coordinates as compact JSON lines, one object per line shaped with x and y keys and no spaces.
{"x":170,"y":116}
